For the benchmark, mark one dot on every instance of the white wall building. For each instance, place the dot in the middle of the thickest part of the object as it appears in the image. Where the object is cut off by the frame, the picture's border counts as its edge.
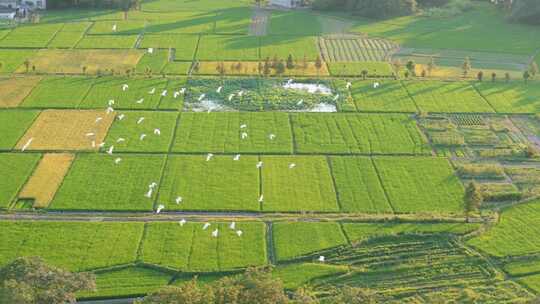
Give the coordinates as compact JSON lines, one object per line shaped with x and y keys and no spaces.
{"x":32,"y":4}
{"x":285,"y":3}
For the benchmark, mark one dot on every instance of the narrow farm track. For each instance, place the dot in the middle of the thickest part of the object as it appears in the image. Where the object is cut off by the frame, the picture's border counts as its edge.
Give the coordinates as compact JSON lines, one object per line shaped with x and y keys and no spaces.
{"x":225,"y":216}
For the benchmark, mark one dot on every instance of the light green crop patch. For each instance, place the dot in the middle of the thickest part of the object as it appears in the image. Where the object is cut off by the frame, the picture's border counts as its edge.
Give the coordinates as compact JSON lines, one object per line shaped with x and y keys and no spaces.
{"x":101,"y":182}
{"x":18,"y":167}
{"x":141,"y":131}
{"x":297,"y":239}
{"x":75,"y":246}
{"x":211,"y":183}
{"x":234,"y":133}
{"x":138,"y":94}
{"x":59,"y":92}
{"x":297,"y":184}
{"x":14,"y":125}
{"x":219,"y":247}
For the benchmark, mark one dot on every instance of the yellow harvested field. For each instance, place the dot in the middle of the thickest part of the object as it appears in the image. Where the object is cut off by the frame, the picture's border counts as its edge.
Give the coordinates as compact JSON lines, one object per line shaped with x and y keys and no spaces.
{"x":73,"y":61}
{"x":252,"y":68}
{"x":47,"y":178}
{"x":67,"y":130}
{"x":14,"y":90}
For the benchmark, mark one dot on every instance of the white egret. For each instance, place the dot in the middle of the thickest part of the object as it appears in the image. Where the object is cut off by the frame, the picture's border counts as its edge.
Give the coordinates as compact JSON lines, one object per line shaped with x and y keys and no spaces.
{"x":179,"y":200}
{"x":159,"y":208}
{"x":272,"y":136}
{"x":219,"y":90}
{"x":259,"y":165}
{"x":244,"y":135}
{"x":99,"y":119}
{"x":140,"y":101}
{"x":182,"y":222}
{"x":215,"y":233}
{"x":349,"y":85}
{"x":111,"y":102}
{"x":121,"y":116}
{"x":152,"y":91}
{"x":141,"y":119}
{"x":118,"y":160}
{"x":206,"y":226}
{"x":164,"y":93}
{"x":231,"y":96}
{"x":27,"y":144}
{"x":336,"y":97}
{"x":142,"y":136}
{"x":236,"y":157}
{"x":157,"y":132}
{"x":232,"y":225}
{"x":109,"y":110}
{"x":121,"y":139}
{"x":90,"y":134}
{"x":150,"y":50}
{"x":322,"y":259}
{"x":292,"y":165}
{"x":125,"y":86}
{"x":110,"y":151}
{"x":261,"y":198}
{"x":243,"y":126}
{"x":182,"y":90}
{"x":209,"y":156}
{"x":239,"y":232}
{"x":201,"y":97}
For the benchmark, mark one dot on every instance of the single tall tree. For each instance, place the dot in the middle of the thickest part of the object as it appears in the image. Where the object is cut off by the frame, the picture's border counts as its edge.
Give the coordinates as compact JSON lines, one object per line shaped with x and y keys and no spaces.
{"x":466,"y":67}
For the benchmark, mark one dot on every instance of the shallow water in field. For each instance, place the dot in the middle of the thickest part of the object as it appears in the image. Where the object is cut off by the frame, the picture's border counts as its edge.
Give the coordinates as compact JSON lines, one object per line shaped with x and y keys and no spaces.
{"x":309,"y":87}
{"x":209,"y":106}
{"x":323,"y":107}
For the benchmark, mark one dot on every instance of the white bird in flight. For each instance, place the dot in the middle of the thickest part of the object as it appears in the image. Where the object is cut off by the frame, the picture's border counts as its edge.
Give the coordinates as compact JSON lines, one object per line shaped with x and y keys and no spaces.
{"x":336,"y":97}
{"x":244,"y":135}
{"x":176,"y":94}
{"x":140,"y":101}
{"x":111,"y":102}
{"x":141,"y":119}
{"x":182,"y":90}
{"x":109,"y":110}
{"x":243,"y":126}
{"x":232,"y":225}
{"x":272,"y":136}
{"x":121,"y":139}
{"x":219,"y":90}
{"x":27,"y":144}
{"x":110,"y":151}
{"x":236,"y":157}
{"x":157,"y":132}
{"x":90,"y":134}
{"x":182,"y":222}
{"x":231,"y":96}
{"x":164,"y":93}
{"x":292,"y":165}
{"x":206,"y":226}
{"x":114,"y":27}
{"x":99,"y":119}
{"x":215,"y":233}
{"x":121,"y":116}
{"x":209,"y":156}
{"x":179,"y":200}
{"x":118,"y":160}
{"x":142,"y":136}
{"x":150,"y":50}
{"x":201,"y":97}
{"x":322,"y":258}
{"x":239,"y":232}
{"x":349,"y":85}
{"x":125,"y":87}
{"x":152,"y":91}
{"x":261,"y":198}
{"x":259,"y":165}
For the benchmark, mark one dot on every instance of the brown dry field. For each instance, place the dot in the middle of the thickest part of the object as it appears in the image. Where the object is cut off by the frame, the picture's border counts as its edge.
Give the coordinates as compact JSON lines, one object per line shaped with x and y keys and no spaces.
{"x":72,"y":61}
{"x":252,"y":68}
{"x":14,"y":90}
{"x":67,"y":130}
{"x":47,"y":178}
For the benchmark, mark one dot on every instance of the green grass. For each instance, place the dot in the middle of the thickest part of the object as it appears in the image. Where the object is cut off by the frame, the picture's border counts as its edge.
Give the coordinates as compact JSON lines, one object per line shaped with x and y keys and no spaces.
{"x":108,"y":88}
{"x":532,"y":281}
{"x":292,"y":22}
{"x":12,"y":59}
{"x":170,"y":102}
{"x":521,"y":267}
{"x":513,"y":97}
{"x":107,"y":42}
{"x":58,"y":92}
{"x":189,"y":5}
{"x":234,"y":20}
{"x":184,"y":45}
{"x":177,"y":68}
{"x":420,"y":184}
{"x":222,"y":133}
{"x":306,"y":187}
{"x":131,"y":131}
{"x":357,"y":133}
{"x":218,"y":48}
{"x":515,"y":234}
{"x":358,"y":186}
{"x":14,"y":125}
{"x":77,"y":246}
{"x":186,"y":22}
{"x":302,"y":274}
{"x":132,"y":281}
{"x":154,"y":62}
{"x":391,"y":96}
{"x":297,"y":239}
{"x":437,"y":96}
{"x":364,"y":231}
{"x":355,"y":68}
{"x":472,"y":30}
{"x":219,"y":184}
{"x":190,"y":248}
{"x":18,"y":167}
{"x":283,"y":46}
{"x":123,"y":27}
{"x":30,"y":36}
{"x":69,"y":35}
{"x":95,"y":182}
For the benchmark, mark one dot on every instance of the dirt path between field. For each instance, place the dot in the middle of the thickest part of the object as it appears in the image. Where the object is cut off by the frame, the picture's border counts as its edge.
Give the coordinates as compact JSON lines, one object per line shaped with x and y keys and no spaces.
{"x":259,"y":22}
{"x":72,"y":216}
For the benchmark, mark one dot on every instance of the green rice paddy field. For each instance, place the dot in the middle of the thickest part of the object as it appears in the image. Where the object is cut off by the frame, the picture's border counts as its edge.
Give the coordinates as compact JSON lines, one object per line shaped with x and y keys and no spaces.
{"x":354,"y":177}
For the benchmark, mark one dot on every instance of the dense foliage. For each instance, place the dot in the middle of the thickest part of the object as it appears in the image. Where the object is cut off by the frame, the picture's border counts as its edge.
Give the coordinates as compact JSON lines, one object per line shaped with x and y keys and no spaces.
{"x":527,"y":11}
{"x":30,"y":280}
